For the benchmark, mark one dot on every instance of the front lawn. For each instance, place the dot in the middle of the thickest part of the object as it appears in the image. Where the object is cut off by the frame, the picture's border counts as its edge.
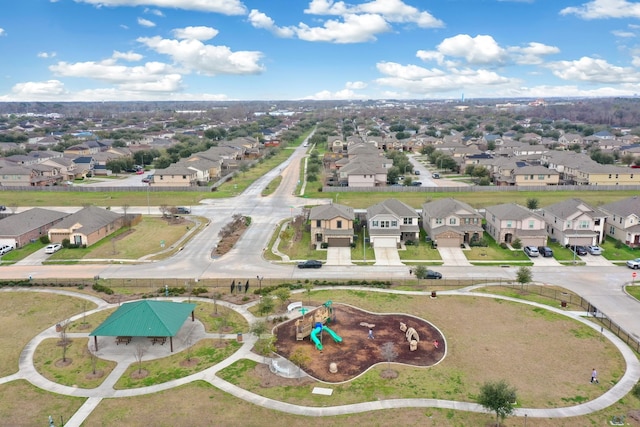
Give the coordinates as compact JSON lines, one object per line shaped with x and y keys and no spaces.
{"x":622,"y":253}
{"x":493,"y":252}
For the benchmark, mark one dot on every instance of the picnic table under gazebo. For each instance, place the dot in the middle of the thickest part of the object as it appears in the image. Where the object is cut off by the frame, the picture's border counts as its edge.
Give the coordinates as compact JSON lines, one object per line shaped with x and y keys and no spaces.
{"x":157,"y":320}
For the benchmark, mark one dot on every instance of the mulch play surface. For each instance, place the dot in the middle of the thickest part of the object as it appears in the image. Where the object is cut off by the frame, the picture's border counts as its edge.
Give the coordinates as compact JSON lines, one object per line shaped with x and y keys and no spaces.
{"x":356,"y":353}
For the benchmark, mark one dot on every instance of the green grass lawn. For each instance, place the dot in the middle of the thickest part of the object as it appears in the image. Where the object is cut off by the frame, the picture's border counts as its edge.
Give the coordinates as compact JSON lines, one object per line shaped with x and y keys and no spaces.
{"x":420,"y":251}
{"x":493,"y":252}
{"x":622,"y":253}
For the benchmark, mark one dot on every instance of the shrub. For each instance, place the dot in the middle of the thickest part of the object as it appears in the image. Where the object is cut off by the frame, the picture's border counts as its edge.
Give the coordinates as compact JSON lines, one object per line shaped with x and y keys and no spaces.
{"x":503,"y":245}
{"x":45,"y":240}
{"x":619,"y":244}
{"x":636,"y":390}
{"x":410,"y":243}
{"x":517,"y":244}
{"x":324,"y":245}
{"x":101,"y":288}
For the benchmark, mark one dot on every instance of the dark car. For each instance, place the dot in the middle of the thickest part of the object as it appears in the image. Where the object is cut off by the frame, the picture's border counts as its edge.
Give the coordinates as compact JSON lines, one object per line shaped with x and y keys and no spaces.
{"x":577,"y":249}
{"x":183,"y":210}
{"x":311,"y":263}
{"x":430,"y":274}
{"x":416,"y":183}
{"x":545,"y":251}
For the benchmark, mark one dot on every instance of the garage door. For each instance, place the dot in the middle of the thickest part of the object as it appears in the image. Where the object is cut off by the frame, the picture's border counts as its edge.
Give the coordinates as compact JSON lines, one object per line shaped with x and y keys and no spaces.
{"x":385,"y":242}
{"x":338,"y":242}
{"x":448,"y":243}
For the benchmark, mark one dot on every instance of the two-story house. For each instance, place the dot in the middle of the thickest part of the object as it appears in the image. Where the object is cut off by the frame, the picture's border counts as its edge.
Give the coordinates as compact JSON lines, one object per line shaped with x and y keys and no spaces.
{"x":574,"y":222}
{"x":392,"y":222}
{"x":510,"y":221}
{"x":623,"y":220}
{"x":332,"y":225}
{"x":451,"y":223}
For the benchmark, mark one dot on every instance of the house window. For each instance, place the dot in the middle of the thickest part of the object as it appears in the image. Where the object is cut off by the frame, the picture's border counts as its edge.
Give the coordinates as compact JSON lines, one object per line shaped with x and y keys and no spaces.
{"x":452,"y":221}
{"x":339,"y":224}
{"x":318,"y":223}
{"x":509,"y":224}
{"x":532,"y":223}
{"x":612,"y":230}
{"x":531,"y":177}
{"x":616,"y":176}
{"x":568,"y":224}
{"x":609,"y":176}
{"x":374,"y":223}
{"x":438,"y":220}
{"x":584,"y":224}
{"x":384,"y":224}
{"x":540,"y":177}
{"x":394,"y":223}
{"x":407,"y":221}
{"x":466,"y":220}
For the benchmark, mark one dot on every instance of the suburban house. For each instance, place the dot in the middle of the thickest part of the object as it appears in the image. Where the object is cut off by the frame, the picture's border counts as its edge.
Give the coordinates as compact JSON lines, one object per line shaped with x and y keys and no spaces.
{"x":363,"y":173}
{"x":573,"y":222}
{"x":332,"y":225}
{"x":623,"y":220}
{"x":175,"y":176}
{"x":20,"y":229}
{"x":451,"y":223}
{"x":392,"y":222}
{"x":87,"y":226}
{"x":510,"y":221}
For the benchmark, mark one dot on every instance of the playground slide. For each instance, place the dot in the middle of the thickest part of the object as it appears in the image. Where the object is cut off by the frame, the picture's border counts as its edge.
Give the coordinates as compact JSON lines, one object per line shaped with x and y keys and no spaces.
{"x":315,"y":339}
{"x":336,"y":337}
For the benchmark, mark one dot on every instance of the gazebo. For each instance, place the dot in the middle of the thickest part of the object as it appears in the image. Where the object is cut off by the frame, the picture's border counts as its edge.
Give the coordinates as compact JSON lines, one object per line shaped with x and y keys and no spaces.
{"x":147,"y":318}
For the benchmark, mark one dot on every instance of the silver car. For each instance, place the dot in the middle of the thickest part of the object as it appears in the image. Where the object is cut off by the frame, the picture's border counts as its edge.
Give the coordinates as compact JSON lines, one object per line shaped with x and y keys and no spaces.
{"x":594,"y":250}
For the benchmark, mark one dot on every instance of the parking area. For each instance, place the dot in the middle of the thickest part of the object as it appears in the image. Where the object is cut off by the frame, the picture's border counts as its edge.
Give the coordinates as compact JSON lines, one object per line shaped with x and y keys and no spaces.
{"x":541,"y":261}
{"x":338,"y":256}
{"x":595,"y":260}
{"x":387,"y":256}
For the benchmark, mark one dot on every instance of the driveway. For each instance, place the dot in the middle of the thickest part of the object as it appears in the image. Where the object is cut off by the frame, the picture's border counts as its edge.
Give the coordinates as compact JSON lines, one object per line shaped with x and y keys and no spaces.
{"x":542,"y":261}
{"x":387,"y":256}
{"x":338,"y":256}
{"x":596,"y":260}
{"x":453,"y":256}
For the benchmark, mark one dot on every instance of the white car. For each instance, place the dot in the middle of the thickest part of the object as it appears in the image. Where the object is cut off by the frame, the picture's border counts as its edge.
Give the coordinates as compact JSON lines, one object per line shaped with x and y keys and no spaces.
{"x":5,"y":248}
{"x":532,"y":251}
{"x":594,"y":250}
{"x":52,"y":248}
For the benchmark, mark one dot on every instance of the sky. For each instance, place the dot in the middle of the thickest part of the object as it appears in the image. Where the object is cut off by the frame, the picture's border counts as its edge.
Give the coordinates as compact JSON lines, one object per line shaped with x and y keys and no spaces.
{"x":226,"y":50}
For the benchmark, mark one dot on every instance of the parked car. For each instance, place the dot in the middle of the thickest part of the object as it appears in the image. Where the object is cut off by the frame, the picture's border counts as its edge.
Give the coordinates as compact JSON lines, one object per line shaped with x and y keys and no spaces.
{"x":3,"y":208}
{"x":594,"y":250}
{"x":416,"y":172}
{"x":147,"y":179}
{"x":310,"y":263}
{"x":531,"y":251}
{"x":435,"y":175}
{"x":634,"y":263}
{"x":183,"y":210}
{"x":545,"y":251}
{"x":430,"y":274}
{"x":52,"y":248}
{"x":416,"y":184}
{"x":578,"y":249}
{"x":5,"y":248}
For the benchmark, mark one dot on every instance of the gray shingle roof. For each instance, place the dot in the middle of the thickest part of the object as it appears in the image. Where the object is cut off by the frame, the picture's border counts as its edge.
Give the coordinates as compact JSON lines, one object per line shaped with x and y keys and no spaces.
{"x":331,"y":211}
{"x":392,"y":206}
{"x":90,"y":218}
{"x":569,"y":207}
{"x":442,"y":207}
{"x":624,"y":207}
{"x":23,"y":222}
{"x":511,"y":211}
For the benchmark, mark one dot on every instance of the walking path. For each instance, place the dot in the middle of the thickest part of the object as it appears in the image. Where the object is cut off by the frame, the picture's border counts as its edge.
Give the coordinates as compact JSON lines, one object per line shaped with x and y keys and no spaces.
{"x":94,"y":396}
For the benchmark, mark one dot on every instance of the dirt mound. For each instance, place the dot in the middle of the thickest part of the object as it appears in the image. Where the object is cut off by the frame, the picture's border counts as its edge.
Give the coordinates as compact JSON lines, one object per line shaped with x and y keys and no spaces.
{"x":356,"y":353}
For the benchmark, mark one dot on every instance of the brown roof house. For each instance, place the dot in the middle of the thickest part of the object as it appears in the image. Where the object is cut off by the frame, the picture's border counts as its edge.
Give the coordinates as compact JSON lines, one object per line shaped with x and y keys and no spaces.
{"x":20,"y":229}
{"x":87,"y":226}
{"x":451,"y":223}
{"x":510,"y":221}
{"x":574,"y":222}
{"x":332,"y":225}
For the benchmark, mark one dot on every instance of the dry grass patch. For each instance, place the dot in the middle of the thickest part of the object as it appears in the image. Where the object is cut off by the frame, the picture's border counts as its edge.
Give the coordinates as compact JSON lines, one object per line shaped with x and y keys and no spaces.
{"x":90,"y":322}
{"x":23,"y":404}
{"x":23,"y":315}
{"x":221,"y":320}
{"x":79,"y":372}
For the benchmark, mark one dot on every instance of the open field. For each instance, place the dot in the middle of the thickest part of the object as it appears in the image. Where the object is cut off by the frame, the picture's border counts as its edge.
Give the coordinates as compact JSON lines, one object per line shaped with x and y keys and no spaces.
{"x":23,"y":315}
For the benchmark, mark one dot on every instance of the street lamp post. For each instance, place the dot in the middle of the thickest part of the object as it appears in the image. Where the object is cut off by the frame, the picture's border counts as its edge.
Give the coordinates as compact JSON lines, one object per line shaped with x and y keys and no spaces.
{"x":260,"y":282}
{"x":364,"y":244}
{"x":148,"y":203}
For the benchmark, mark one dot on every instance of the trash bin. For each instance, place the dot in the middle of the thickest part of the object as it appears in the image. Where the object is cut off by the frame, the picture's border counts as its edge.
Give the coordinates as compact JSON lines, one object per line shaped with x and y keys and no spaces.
{"x":239,"y":336}
{"x":563,"y":303}
{"x":433,"y":294}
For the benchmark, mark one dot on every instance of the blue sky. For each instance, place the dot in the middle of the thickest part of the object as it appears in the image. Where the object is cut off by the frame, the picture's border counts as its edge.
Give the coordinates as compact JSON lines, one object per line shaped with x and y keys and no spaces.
{"x":118,"y":50}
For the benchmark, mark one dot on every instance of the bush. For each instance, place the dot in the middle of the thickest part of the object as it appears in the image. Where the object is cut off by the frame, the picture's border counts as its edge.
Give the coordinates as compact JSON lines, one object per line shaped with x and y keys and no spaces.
{"x":636,"y":390}
{"x":324,"y":245}
{"x":503,"y":245}
{"x":101,"y":288}
{"x":45,"y":240}
{"x":619,"y":244}
{"x":517,"y":244}
{"x":410,"y":243}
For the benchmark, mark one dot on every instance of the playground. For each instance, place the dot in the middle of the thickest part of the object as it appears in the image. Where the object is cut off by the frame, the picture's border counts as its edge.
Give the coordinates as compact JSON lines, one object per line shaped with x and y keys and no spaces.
{"x":344,"y":340}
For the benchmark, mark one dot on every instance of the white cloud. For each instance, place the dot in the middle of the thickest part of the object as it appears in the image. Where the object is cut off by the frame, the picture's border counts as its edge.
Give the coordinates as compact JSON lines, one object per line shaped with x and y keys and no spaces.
{"x":196,"y":33}
{"x":111,"y":72}
{"x":146,"y":23}
{"x":594,"y":71}
{"x":532,"y":53}
{"x":127,"y":56}
{"x":475,"y":50}
{"x":391,"y":10}
{"x":226,"y":7}
{"x":623,"y":34}
{"x":354,"y":29}
{"x":603,"y":9}
{"x":46,"y":55}
{"x":50,"y":89}
{"x":2,"y":32}
{"x":635,"y":61}
{"x":155,"y":12}
{"x":355,"y":85}
{"x":206,"y":59}
{"x":261,"y":20}
{"x":421,"y":81}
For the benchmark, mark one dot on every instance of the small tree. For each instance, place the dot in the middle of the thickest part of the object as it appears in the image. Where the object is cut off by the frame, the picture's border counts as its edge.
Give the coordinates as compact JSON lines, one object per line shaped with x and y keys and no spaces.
{"x":300,"y":358}
{"x":216,"y":296}
{"x":64,"y":341}
{"x":420,"y":271}
{"x":282,"y":294}
{"x":139,"y":353}
{"x":308,"y":287}
{"x":389,"y":352}
{"x":524,"y":275}
{"x":266,"y":305}
{"x":498,"y":397}
{"x":94,"y":358}
{"x":532,"y":203}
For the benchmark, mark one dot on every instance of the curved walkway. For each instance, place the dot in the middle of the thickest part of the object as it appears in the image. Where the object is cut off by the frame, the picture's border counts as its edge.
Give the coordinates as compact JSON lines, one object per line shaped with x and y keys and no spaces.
{"x":28,"y":372}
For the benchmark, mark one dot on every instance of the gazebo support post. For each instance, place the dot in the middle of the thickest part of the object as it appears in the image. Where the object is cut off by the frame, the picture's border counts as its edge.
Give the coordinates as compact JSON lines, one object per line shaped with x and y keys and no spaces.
{"x":95,"y":342}
{"x":171,"y":343}
{"x":193,"y":317}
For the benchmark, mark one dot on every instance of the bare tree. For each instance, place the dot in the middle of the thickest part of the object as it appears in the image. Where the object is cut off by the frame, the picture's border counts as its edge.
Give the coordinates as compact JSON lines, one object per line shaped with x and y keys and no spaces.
{"x":164,"y":209}
{"x":216,"y":296}
{"x":64,"y":341}
{"x":188,"y":343}
{"x":139,"y":353}
{"x":94,"y":358}
{"x":389,"y":353}
{"x":127,"y":220}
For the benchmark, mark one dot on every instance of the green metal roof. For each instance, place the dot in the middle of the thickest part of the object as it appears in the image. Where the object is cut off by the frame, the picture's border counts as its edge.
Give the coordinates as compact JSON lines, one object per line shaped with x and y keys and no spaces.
{"x":148,"y":318}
